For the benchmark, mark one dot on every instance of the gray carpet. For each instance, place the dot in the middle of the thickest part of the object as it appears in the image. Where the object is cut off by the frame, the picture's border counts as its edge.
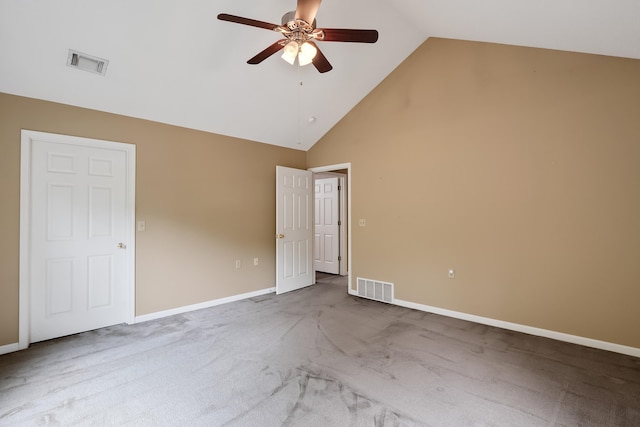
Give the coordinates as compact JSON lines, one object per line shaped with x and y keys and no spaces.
{"x":315,"y":357}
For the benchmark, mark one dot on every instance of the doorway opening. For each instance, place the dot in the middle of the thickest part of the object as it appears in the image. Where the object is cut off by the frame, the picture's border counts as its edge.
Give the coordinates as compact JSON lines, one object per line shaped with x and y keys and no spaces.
{"x":342,"y":172}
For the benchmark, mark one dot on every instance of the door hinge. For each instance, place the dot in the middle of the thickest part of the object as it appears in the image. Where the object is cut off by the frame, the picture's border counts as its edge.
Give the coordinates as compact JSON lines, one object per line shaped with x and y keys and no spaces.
{"x":339,"y":257}
{"x":339,"y":223}
{"x":339,"y":187}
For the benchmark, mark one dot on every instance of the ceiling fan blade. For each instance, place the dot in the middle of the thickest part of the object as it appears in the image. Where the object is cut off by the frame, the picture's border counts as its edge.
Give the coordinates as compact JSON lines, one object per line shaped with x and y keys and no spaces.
{"x":250,"y":22}
{"x":267,"y":52}
{"x":346,"y":35}
{"x":320,"y":61}
{"x":307,"y":9}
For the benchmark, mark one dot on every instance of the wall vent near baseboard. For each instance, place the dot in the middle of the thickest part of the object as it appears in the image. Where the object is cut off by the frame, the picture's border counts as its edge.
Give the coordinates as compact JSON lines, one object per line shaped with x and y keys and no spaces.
{"x":375,"y":290}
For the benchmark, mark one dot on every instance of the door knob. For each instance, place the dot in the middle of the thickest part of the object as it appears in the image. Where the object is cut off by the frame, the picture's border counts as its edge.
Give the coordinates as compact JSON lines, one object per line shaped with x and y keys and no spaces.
{"x":279,"y":236}
{"x":122,"y":246}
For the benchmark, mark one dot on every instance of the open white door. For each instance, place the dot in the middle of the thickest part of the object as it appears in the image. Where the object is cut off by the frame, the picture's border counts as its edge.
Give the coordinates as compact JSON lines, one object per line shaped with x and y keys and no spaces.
{"x":294,"y":229}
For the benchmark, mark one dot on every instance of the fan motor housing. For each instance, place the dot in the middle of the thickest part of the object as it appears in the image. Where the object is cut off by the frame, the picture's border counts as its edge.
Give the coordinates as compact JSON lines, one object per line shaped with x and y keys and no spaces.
{"x":291,"y":16}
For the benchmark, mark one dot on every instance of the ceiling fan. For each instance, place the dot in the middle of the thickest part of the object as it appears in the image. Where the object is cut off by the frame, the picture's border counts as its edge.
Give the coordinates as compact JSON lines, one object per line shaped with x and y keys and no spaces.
{"x":300,"y":33}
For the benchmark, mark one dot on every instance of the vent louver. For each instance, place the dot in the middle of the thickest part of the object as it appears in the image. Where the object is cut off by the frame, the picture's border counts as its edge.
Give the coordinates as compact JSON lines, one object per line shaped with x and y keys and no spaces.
{"x":85,"y":62}
{"x":375,"y":290}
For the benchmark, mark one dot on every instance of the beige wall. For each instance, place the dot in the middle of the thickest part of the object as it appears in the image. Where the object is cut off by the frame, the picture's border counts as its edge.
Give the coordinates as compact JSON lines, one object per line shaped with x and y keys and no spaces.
{"x":207,"y":200}
{"x":518,"y":167}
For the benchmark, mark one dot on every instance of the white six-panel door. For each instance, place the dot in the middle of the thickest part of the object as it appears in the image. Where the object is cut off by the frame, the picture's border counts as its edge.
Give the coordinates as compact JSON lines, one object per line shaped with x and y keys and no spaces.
{"x":78,"y":237}
{"x":294,"y":229}
{"x":326,"y":226}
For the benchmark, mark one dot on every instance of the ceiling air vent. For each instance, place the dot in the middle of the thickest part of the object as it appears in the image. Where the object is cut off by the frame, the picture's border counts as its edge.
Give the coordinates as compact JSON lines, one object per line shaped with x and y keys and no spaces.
{"x":85,"y":62}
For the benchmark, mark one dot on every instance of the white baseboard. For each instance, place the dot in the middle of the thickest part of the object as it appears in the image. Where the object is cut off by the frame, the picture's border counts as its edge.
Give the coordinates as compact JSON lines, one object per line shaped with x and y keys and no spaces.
{"x":9,"y":348}
{"x":201,"y":305}
{"x":560,"y":336}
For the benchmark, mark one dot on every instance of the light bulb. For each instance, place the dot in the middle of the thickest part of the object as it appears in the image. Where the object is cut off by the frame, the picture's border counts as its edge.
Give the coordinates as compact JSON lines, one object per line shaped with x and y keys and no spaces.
{"x":307,"y":53}
{"x":290,"y":52}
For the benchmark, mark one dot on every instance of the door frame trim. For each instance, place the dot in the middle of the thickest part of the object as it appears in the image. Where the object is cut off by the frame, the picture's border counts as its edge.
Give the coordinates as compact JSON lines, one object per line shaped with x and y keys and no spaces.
{"x":335,"y":168}
{"x":27,"y":137}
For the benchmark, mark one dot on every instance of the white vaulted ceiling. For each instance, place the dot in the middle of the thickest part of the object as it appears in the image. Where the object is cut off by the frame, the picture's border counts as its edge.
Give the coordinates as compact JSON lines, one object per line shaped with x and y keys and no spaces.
{"x":172,"y":61}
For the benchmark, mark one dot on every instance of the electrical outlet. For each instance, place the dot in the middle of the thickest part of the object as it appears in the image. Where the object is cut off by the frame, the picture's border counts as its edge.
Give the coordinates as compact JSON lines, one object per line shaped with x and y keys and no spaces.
{"x":452,"y":273}
{"x":362,"y":222}
{"x":238,"y":263}
{"x":256,"y":261}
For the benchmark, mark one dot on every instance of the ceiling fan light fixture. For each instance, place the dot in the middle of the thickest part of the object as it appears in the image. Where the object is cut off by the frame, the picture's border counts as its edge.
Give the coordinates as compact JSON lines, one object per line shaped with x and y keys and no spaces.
{"x":307,"y":53}
{"x":290,"y":52}
{"x":300,"y":32}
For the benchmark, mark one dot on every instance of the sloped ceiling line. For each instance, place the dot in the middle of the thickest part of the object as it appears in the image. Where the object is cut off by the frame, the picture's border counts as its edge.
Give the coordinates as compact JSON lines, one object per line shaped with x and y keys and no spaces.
{"x":174,"y":62}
